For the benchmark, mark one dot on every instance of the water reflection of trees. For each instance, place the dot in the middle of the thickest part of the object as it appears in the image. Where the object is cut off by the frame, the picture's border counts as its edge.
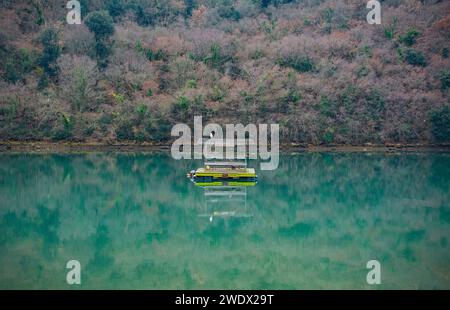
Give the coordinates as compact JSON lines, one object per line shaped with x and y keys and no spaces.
{"x":131,"y":219}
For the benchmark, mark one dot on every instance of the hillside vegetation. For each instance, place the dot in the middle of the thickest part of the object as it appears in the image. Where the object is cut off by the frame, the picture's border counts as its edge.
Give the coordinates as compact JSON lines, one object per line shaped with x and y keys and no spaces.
{"x":134,"y":68}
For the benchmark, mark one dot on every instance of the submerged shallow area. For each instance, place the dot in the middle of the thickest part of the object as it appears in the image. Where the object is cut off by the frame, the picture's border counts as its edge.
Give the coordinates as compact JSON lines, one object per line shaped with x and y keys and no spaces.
{"x":134,"y":221}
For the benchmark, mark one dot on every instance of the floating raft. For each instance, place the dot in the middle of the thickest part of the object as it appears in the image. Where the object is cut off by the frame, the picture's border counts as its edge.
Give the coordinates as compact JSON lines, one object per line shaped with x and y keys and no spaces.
{"x":225,"y":173}
{"x":228,"y":171}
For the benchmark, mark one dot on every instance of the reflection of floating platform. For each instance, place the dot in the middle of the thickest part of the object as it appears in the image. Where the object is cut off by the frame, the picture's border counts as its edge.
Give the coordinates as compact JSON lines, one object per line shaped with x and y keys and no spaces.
{"x":219,"y":184}
{"x":225,"y":214}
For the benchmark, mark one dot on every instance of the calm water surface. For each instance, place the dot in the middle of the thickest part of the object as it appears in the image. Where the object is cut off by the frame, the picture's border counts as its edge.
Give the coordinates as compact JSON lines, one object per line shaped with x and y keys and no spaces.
{"x":135,"y":222}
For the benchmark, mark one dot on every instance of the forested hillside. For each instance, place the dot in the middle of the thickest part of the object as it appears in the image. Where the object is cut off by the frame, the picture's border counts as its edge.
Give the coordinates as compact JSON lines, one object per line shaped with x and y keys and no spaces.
{"x":134,"y":68}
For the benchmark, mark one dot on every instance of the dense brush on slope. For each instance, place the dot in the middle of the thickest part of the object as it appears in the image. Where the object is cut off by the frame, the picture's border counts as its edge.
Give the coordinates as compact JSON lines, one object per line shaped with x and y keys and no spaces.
{"x":136,"y":67}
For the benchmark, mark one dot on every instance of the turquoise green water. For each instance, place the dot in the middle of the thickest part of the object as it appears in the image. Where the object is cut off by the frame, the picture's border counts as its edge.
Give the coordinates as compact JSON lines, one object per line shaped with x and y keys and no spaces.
{"x":134,"y":221}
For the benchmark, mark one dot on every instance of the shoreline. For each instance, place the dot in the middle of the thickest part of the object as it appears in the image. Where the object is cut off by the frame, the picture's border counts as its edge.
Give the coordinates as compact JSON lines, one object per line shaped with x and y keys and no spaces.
{"x":77,"y":147}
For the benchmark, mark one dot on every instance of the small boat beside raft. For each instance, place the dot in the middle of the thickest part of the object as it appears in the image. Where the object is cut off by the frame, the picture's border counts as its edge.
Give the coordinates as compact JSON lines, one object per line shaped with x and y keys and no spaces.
{"x":223,"y":171}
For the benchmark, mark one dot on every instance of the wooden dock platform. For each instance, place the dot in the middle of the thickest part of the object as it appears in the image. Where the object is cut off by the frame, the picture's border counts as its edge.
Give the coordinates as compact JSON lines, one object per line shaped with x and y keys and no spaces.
{"x":226,"y":173}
